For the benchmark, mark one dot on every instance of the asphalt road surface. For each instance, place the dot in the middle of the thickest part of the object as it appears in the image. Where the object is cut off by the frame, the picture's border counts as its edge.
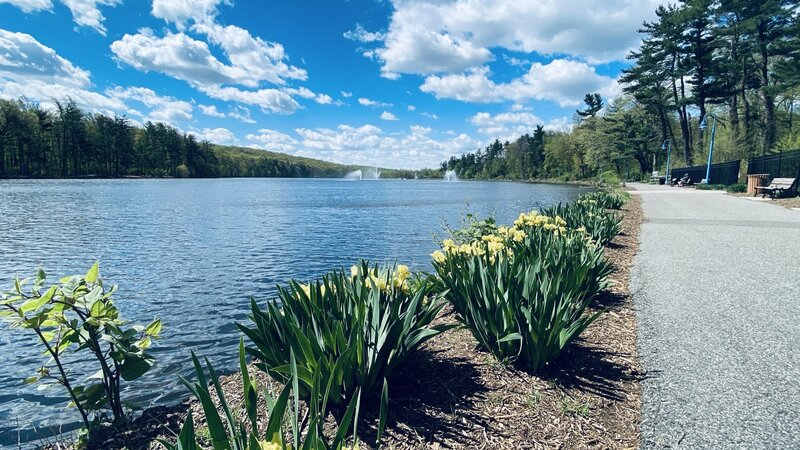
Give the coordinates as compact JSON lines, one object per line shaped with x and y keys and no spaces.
{"x":716,"y":286}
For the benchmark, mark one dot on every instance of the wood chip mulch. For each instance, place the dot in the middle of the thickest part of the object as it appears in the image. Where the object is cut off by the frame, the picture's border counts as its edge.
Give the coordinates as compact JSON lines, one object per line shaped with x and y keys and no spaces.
{"x":450,"y":395}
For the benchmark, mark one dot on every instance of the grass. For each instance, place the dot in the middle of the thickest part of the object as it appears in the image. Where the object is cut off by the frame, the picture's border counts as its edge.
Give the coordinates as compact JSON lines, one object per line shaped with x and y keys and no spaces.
{"x":572,"y":407}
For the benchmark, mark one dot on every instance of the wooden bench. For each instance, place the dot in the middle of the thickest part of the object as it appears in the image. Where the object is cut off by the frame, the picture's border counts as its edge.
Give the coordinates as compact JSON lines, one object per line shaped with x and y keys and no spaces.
{"x":776,"y":188}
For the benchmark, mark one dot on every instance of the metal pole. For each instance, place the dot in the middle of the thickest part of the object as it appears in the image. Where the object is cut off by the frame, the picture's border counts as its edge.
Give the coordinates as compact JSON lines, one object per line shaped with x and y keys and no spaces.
{"x":711,"y":149}
{"x":667,"y":179}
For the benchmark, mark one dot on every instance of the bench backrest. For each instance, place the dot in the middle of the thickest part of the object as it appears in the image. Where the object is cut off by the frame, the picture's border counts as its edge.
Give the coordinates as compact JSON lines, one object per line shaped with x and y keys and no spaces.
{"x":782,"y":183}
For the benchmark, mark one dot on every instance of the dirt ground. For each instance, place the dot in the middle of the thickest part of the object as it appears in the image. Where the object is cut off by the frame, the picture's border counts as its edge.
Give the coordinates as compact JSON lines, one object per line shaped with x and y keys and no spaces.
{"x":452,"y":395}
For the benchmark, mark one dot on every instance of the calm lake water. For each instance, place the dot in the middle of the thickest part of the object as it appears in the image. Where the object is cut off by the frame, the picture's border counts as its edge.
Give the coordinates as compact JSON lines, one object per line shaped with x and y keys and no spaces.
{"x":194,"y":251}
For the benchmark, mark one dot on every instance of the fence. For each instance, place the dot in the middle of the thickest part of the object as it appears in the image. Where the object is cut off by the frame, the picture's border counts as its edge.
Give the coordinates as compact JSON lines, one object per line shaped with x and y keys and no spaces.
{"x":780,"y":165}
{"x":726,"y":173}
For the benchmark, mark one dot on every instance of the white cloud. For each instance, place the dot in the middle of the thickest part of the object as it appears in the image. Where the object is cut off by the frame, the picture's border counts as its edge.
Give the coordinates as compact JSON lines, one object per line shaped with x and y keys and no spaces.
{"x":221,"y":136}
{"x":562,"y":81}
{"x":86,"y":13}
{"x":162,"y":108}
{"x":273,"y":140}
{"x":412,"y":107}
{"x":23,"y":58}
{"x":32,"y":70}
{"x":510,"y":125}
{"x":322,"y":99}
{"x":242,"y":114}
{"x":386,"y":115}
{"x":269,"y":100}
{"x":253,"y":62}
{"x":373,"y":103}
{"x":176,"y":55}
{"x":429,"y":115}
{"x":29,"y":6}
{"x":360,"y":34}
{"x":429,"y":37}
{"x":210,"y":110}
{"x":259,"y":60}
{"x":180,"y":12}
{"x":369,"y":145}
{"x":346,"y":94}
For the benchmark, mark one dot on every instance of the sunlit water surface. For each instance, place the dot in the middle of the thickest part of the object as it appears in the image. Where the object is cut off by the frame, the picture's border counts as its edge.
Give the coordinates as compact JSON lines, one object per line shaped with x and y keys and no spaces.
{"x":194,"y":251}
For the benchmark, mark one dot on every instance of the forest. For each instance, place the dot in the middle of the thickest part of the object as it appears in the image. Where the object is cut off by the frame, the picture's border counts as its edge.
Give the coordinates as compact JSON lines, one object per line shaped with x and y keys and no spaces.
{"x":733,"y":62}
{"x":67,"y":142}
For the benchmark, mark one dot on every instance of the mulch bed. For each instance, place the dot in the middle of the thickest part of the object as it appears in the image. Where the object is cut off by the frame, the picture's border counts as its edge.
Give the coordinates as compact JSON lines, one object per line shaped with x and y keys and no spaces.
{"x":451,"y":395}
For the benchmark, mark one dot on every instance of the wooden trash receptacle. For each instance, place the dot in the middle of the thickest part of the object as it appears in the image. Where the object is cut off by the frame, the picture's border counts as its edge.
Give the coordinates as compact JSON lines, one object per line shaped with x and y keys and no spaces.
{"x":756,"y":180}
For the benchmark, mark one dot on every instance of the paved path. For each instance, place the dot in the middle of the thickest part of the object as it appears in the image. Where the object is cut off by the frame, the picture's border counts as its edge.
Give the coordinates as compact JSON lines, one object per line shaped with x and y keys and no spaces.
{"x":716,"y":285}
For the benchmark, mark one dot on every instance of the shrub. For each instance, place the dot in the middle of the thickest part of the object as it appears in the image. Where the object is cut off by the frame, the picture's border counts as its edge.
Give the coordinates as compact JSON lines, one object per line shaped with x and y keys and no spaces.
{"x":354,"y":327}
{"x":608,"y":200}
{"x":523,"y":291}
{"x":79,"y":315}
{"x":241,"y":431}
{"x":737,"y":188}
{"x":709,"y":187}
{"x":588,"y":214}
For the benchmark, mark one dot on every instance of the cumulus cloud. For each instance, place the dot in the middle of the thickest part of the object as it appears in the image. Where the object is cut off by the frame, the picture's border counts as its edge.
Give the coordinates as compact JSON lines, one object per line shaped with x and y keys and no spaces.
{"x":429,"y":37}
{"x":372,"y":103}
{"x":251,"y":61}
{"x":32,"y":70}
{"x":386,"y":115}
{"x":369,"y":145}
{"x":176,"y":55}
{"x":241,"y":113}
{"x":360,"y":34}
{"x":221,"y":136}
{"x":86,"y":13}
{"x":561,"y":81}
{"x":23,"y":58}
{"x":511,"y":125}
{"x":210,"y":110}
{"x":273,"y":140}
{"x":180,"y":12}
{"x":161,"y":108}
{"x":346,"y":94}
{"x":29,"y":6}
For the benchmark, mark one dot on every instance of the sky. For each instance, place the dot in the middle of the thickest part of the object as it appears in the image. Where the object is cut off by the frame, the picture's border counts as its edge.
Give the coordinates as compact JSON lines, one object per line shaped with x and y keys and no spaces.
{"x":401,"y":83}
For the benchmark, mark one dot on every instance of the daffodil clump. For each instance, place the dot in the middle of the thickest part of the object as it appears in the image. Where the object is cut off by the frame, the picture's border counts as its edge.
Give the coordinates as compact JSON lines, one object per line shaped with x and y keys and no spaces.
{"x":589,"y":215}
{"x":371,"y":317}
{"x":523,"y":290}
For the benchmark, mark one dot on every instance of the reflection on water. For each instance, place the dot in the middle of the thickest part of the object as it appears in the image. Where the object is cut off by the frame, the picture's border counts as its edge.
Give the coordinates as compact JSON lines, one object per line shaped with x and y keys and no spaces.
{"x":193,"y":251}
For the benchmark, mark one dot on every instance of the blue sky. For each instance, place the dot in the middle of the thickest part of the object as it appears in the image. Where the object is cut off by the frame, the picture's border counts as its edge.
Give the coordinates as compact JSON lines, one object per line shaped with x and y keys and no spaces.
{"x":403,"y":83}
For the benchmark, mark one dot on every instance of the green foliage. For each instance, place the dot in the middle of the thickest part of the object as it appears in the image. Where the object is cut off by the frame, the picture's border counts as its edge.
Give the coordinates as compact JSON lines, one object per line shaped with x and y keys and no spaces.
{"x":607,"y":199}
{"x":589,"y":214}
{"x":232,"y":431}
{"x":710,"y":187}
{"x":353,"y":327}
{"x":523,"y":291}
{"x":737,"y":188}
{"x":79,"y":315}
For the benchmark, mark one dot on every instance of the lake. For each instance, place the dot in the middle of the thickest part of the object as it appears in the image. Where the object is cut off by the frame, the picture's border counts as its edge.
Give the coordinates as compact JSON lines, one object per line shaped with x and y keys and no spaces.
{"x":194,"y":251}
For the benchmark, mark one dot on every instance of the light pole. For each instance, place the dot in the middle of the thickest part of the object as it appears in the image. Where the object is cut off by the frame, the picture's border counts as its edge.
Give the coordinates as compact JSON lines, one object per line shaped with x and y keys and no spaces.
{"x":703,"y":126}
{"x":667,"y":145}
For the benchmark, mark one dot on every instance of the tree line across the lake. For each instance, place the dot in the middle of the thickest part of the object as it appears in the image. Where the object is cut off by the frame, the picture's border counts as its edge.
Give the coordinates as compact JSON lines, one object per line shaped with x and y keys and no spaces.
{"x":736,"y":62}
{"x":66,"y":141}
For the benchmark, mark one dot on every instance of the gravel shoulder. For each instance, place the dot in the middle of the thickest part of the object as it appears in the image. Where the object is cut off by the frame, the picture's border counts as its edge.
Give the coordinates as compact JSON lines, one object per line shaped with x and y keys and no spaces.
{"x":716,"y":285}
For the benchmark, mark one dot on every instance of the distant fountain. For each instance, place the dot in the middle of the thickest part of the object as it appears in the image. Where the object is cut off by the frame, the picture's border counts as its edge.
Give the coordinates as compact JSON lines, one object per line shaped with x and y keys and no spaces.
{"x":364,"y":174}
{"x":450,"y":175}
{"x":354,"y":175}
{"x":372,"y":174}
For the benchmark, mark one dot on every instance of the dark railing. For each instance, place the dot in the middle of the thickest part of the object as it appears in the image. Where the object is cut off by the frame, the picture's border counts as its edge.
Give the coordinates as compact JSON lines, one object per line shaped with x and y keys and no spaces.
{"x":726,"y":173}
{"x":779,"y":165}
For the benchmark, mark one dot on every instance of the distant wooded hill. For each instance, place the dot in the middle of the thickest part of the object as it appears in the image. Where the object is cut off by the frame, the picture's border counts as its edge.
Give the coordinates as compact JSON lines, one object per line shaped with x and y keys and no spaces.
{"x":67,"y":142}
